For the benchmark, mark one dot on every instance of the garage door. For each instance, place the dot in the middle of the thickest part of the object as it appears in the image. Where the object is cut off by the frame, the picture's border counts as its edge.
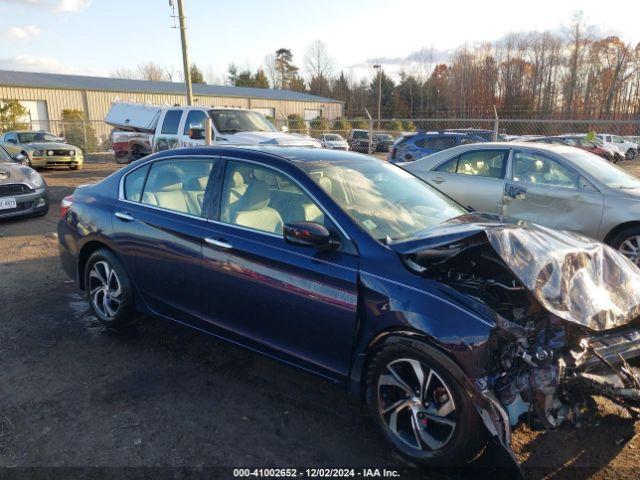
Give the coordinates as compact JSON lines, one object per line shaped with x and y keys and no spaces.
{"x":37,"y":115}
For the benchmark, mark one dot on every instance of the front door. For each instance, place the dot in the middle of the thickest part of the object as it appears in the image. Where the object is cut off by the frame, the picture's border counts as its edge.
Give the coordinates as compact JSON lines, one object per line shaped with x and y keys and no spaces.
{"x":295,"y":302}
{"x":475,"y":179}
{"x":158,"y":224}
{"x":543,"y":190}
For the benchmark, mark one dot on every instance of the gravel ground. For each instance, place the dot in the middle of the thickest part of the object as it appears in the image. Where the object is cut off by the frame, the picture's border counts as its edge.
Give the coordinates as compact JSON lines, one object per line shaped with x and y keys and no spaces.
{"x":73,"y":395}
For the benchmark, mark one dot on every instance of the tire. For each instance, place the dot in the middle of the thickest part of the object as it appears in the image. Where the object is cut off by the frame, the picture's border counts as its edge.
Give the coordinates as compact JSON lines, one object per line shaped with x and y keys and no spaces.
{"x":76,"y":167}
{"x":627,"y":242}
{"x":631,"y":154}
{"x":454,"y":443}
{"x":28,"y":158}
{"x":117,"y":310}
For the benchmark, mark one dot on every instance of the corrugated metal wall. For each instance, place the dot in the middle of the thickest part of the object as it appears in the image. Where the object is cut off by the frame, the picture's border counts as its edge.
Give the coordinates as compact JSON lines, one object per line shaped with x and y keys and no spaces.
{"x":98,"y":102}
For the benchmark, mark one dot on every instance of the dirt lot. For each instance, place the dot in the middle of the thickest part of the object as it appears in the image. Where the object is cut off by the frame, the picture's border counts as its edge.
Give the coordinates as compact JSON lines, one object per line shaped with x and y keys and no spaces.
{"x":73,"y":395}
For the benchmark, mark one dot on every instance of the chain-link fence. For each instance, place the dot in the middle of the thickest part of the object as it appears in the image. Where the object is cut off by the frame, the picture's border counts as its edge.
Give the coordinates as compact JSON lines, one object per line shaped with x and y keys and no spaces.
{"x":95,"y":136}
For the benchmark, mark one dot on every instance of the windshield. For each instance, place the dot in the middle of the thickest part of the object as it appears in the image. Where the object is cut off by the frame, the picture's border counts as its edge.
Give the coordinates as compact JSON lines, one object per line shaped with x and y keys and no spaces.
{"x":29,"y":137}
{"x":361,"y":134}
{"x":234,"y":121}
{"x":4,"y":156}
{"x":388,"y":202}
{"x":333,"y":138}
{"x":602,"y":170}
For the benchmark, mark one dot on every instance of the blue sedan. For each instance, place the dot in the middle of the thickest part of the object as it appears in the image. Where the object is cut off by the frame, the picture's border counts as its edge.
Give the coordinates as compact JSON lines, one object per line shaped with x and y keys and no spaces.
{"x":354,"y":270}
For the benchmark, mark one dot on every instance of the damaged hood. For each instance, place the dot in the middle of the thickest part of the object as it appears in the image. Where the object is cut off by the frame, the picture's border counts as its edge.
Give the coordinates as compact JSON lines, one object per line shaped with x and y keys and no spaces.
{"x":576,"y":278}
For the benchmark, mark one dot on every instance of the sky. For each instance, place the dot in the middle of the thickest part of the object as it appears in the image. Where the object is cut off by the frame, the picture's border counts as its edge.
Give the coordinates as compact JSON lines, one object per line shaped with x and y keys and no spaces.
{"x":98,"y":37}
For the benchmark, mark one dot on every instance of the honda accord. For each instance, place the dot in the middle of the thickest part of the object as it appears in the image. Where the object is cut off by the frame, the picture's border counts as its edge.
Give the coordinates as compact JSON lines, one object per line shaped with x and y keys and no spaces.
{"x":453,"y":327}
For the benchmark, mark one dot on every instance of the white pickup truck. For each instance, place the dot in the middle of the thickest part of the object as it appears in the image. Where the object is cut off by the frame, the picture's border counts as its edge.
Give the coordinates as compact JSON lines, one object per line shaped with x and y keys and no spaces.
{"x":141,"y":129}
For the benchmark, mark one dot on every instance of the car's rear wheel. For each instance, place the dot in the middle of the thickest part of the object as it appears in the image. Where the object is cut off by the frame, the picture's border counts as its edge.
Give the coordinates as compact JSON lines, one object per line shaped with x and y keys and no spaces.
{"x":421,"y":408}
{"x":109,"y":289}
{"x":631,"y":154}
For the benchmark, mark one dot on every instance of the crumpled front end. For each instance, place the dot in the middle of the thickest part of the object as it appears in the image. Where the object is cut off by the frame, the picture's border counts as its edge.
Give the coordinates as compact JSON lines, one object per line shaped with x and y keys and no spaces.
{"x":566,"y":311}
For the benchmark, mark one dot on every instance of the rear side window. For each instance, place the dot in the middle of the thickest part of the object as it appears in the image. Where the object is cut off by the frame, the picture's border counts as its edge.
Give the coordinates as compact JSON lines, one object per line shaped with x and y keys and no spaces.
{"x":437,"y":143}
{"x":194,"y":117}
{"x":171,"y":122}
{"x":483,"y":163}
{"x":134,"y":183}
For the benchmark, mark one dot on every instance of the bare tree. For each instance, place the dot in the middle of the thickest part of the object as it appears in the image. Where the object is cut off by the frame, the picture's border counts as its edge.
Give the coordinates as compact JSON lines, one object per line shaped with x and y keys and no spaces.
{"x":153,"y":72}
{"x":125,"y":73}
{"x":271,"y":69}
{"x":317,"y":62}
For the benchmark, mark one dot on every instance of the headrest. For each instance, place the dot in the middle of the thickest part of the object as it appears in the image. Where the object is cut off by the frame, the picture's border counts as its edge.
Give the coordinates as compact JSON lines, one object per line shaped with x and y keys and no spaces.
{"x":197,"y":183}
{"x":255,"y":198}
{"x":237,"y":180}
{"x":167,"y":182}
{"x":325,"y":184}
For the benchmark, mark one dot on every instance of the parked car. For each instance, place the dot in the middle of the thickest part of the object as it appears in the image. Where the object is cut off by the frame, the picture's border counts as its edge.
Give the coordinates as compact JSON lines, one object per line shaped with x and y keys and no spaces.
{"x":451,"y":326}
{"x":383,"y":141}
{"x":23,"y":191}
{"x":589,"y":146}
{"x":549,"y":140}
{"x":333,"y":141}
{"x":627,"y":150}
{"x":361,"y":141}
{"x":487,"y":135}
{"x":556,"y":186}
{"x":42,"y":149}
{"x":141,"y":129}
{"x":411,"y":147}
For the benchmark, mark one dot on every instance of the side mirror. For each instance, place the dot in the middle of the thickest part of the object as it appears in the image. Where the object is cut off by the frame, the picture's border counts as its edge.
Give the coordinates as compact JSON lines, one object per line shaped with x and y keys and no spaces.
{"x":196,"y":132}
{"x":20,"y":158}
{"x":310,"y":234}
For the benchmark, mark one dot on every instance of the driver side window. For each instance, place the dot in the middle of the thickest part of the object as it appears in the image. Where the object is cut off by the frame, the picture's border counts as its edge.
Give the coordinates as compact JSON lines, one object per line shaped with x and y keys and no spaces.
{"x":262,"y":199}
{"x":537,"y":169}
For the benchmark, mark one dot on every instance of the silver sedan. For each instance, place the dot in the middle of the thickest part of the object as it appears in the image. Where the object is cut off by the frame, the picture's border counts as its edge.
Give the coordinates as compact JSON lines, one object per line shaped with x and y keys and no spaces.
{"x":558,"y":186}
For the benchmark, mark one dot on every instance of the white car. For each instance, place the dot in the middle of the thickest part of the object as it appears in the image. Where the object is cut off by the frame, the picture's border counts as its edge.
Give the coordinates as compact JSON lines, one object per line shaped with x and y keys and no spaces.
{"x":627,"y":149}
{"x":333,"y":141}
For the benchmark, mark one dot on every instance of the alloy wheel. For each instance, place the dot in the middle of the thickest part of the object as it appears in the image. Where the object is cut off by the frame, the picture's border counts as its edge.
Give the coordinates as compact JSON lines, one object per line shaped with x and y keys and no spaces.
{"x":416,"y":405}
{"x":630,"y":248}
{"x":105,"y":289}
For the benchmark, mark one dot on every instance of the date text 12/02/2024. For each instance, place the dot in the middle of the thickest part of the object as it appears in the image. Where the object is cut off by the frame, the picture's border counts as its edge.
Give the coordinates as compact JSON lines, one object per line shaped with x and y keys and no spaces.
{"x":316,"y":472}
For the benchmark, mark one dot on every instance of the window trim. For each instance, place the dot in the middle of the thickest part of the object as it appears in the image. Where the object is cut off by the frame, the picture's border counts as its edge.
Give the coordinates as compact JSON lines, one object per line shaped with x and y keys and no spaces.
{"x":215,"y":182}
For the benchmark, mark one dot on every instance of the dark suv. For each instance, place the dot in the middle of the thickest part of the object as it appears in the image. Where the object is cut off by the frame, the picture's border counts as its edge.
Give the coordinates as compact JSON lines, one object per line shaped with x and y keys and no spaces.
{"x":421,"y":144}
{"x":359,"y":141}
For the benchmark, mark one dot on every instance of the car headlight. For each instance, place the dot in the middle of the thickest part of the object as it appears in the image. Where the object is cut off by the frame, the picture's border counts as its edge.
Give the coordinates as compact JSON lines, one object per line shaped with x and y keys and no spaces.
{"x":35,"y":178}
{"x":72,"y":152}
{"x":50,"y":153}
{"x":38,"y":153}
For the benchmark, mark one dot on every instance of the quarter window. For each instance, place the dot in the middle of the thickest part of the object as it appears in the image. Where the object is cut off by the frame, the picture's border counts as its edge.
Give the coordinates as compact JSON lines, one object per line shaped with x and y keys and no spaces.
{"x":134,"y":183}
{"x":537,"y":169}
{"x":262,"y":199}
{"x":178,"y":185}
{"x":171,"y":122}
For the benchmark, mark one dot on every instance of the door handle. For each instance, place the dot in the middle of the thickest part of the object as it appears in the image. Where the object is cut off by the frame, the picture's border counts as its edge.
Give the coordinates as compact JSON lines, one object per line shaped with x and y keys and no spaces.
{"x":439,"y":179}
{"x":517,"y":193}
{"x":221,"y":244}
{"x":125,"y":217}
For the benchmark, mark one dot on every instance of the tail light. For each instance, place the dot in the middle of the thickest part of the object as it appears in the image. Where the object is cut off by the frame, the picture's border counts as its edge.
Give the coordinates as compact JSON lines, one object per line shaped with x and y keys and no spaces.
{"x":65,"y":205}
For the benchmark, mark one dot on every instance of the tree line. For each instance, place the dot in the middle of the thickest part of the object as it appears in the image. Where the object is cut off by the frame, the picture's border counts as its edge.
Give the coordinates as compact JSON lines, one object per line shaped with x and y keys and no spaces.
{"x":576,"y":73}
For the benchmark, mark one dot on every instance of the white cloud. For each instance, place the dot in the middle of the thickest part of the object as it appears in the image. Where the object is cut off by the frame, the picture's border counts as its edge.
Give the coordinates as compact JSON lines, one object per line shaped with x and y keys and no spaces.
{"x":55,"y":5}
{"x":33,"y":63}
{"x":27,"y":32}
{"x":72,"y":5}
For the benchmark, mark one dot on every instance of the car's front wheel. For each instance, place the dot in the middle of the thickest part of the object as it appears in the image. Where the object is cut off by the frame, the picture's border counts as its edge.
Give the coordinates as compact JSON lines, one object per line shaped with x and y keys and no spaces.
{"x":627,"y":242}
{"x":631,"y":154}
{"x":109,"y":289}
{"x":421,"y":408}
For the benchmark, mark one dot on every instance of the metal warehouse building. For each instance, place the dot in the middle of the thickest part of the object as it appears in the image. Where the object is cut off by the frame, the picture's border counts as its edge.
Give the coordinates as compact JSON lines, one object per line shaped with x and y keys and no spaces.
{"x":45,"y":95}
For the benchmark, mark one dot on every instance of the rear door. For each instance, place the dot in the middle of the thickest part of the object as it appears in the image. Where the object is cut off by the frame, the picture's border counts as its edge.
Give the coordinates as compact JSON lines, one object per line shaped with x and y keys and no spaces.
{"x":167,"y":137}
{"x":159,"y":223}
{"x":474,"y":178}
{"x":544,"y":189}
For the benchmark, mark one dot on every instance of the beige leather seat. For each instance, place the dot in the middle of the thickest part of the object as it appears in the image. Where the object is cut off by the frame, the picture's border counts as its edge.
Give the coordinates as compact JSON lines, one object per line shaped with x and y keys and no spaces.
{"x":195,"y":194}
{"x":253,"y":211}
{"x":238,"y":187}
{"x":167,"y":192}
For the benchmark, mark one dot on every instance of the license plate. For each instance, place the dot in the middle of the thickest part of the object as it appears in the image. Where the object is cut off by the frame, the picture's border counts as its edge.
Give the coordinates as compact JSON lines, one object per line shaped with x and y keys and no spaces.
{"x":8,"y":203}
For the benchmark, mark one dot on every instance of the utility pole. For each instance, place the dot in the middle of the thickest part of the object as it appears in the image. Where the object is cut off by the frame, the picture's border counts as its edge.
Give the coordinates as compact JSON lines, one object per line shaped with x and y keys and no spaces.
{"x":379,"y":70}
{"x":185,"y":54}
